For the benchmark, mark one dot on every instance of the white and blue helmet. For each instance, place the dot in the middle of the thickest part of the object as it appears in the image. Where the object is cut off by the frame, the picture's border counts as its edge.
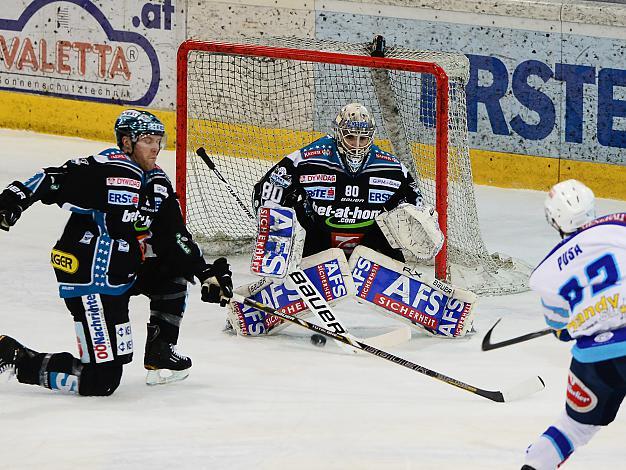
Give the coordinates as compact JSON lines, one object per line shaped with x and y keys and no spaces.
{"x":569,"y":205}
{"x":354,"y":120}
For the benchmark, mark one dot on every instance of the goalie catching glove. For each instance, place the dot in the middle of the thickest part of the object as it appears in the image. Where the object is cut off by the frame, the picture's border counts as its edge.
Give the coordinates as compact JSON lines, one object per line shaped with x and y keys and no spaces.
{"x":414,"y":230}
{"x":217,"y":285}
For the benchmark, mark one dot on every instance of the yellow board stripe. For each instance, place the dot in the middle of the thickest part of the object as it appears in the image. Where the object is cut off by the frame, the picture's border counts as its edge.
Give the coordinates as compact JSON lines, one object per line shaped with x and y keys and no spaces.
{"x":95,"y":121}
{"x":69,"y":117}
{"x":509,"y":170}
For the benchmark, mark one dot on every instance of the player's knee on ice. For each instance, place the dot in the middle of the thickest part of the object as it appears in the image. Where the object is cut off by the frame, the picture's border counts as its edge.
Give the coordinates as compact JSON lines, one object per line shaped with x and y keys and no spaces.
{"x":100,"y":380}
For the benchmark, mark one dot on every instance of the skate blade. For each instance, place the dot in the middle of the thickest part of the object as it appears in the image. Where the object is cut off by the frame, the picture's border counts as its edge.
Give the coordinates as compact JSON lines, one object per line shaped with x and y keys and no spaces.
{"x":165,"y":376}
{"x":7,"y":376}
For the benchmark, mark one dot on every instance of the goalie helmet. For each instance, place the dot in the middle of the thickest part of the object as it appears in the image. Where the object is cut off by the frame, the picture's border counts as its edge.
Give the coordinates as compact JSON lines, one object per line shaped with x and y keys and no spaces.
{"x":354,"y":132}
{"x":569,"y":205}
{"x":134,"y":123}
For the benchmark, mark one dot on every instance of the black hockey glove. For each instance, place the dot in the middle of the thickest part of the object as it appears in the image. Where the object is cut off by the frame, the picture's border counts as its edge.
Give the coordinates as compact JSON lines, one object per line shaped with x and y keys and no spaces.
{"x":304,"y":210}
{"x":217,"y":285}
{"x":562,"y":335}
{"x":13,"y":201}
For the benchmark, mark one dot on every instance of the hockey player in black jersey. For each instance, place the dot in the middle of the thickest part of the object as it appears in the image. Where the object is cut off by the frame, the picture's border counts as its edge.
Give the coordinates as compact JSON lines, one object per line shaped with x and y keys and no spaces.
{"x":339,"y":184}
{"x":125,"y":236}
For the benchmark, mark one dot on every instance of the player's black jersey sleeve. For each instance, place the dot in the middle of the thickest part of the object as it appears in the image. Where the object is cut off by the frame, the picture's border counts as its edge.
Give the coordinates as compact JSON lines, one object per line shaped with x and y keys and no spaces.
{"x":170,"y":240}
{"x":279,"y":185}
{"x":408,"y":192}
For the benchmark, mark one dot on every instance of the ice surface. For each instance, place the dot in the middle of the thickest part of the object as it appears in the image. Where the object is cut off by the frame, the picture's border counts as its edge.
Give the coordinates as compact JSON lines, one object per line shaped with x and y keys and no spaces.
{"x":279,"y":402}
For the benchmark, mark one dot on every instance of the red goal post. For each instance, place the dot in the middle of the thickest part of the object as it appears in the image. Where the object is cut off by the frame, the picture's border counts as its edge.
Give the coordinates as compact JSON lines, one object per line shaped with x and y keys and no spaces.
{"x":228,"y":93}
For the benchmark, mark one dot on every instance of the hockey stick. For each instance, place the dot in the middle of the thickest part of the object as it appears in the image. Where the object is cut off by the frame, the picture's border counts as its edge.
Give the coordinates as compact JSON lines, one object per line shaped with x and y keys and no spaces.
{"x":203,"y":155}
{"x":523,"y":389}
{"x":299,"y":281}
{"x":487,"y":345}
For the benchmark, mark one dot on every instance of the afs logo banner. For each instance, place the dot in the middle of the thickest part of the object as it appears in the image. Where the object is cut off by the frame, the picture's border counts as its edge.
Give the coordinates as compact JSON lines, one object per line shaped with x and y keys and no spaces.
{"x":89,"y":50}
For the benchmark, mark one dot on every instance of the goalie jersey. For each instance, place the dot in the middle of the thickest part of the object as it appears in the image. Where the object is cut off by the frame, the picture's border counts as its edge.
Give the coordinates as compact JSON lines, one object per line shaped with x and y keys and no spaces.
{"x":581,"y":283}
{"x":336,"y":208}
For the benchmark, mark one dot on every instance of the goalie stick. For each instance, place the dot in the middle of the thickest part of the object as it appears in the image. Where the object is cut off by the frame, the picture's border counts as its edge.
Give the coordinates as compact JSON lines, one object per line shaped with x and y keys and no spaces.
{"x":299,"y":281}
{"x":487,"y":345}
{"x":205,"y":158}
{"x":521,"y":390}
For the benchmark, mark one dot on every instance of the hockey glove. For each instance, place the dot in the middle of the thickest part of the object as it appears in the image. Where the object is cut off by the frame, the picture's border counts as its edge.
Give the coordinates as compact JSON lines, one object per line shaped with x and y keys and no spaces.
{"x":217,"y":285}
{"x":13,"y":201}
{"x":562,"y":335}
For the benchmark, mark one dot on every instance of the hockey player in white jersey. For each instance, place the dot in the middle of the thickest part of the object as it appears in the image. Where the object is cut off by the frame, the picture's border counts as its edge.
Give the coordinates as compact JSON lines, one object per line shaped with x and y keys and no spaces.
{"x":581,"y":283}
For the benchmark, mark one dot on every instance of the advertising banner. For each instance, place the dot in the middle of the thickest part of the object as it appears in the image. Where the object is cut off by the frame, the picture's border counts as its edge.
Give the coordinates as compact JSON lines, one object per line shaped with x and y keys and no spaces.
{"x":534,"y":89}
{"x":121,"y":51}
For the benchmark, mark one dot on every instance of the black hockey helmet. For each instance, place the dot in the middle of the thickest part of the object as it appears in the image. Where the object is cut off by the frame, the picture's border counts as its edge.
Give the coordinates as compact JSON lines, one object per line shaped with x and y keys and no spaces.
{"x":134,"y":123}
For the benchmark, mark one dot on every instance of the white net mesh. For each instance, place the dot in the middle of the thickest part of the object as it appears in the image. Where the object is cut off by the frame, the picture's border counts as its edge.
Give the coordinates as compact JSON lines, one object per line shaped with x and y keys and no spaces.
{"x":249,"y":112}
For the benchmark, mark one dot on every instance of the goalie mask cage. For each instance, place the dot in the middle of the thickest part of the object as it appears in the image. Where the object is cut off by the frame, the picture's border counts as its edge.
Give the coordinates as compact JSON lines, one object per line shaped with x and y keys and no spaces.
{"x":252,"y":102}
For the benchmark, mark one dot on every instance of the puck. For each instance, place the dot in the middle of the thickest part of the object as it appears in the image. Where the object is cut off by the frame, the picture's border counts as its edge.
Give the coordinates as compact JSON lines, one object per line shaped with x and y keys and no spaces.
{"x":318,"y":340}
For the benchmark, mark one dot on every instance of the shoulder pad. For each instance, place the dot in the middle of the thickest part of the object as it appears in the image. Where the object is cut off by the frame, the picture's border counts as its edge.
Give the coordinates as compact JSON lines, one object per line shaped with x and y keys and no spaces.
{"x":322,"y":149}
{"x":617,"y":219}
{"x":114,"y":154}
{"x":382,"y":156}
{"x":157,"y":172}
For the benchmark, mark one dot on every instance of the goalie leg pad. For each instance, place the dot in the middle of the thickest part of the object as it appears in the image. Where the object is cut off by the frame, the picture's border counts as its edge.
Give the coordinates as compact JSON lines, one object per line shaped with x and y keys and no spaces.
{"x":329,"y":273}
{"x":400,"y":292}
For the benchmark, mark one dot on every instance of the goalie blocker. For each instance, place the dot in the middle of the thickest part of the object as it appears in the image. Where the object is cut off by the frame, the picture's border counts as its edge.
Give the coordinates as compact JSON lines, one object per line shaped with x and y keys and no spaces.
{"x":279,"y":242}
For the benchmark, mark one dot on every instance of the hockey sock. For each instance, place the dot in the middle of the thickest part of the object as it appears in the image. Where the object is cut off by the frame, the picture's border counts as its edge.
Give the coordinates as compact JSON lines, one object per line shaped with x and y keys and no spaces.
{"x":558,"y":442}
{"x":59,"y":371}
{"x":165,"y":331}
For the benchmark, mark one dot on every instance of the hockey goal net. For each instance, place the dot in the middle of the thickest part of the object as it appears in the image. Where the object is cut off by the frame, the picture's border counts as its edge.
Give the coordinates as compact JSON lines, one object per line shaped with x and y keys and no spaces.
{"x":250,"y":103}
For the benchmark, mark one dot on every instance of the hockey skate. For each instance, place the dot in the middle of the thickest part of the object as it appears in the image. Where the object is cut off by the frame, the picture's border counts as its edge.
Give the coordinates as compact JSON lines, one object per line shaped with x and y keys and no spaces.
{"x":10,"y":352}
{"x":163,"y":363}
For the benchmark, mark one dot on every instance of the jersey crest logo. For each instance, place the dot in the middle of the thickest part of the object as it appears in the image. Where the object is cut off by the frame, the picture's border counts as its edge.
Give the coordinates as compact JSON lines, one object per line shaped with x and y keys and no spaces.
{"x":316,"y":153}
{"x":129,"y":182}
{"x":389,"y":158}
{"x":280,"y":178}
{"x":318,"y":178}
{"x":123,"y":198}
{"x":379,"y":196}
{"x":322,"y":193}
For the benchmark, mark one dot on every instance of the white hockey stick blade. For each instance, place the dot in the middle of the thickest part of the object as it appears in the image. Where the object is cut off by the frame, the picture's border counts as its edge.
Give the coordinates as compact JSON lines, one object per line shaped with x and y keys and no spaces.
{"x":524,"y":389}
{"x":391,"y":338}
